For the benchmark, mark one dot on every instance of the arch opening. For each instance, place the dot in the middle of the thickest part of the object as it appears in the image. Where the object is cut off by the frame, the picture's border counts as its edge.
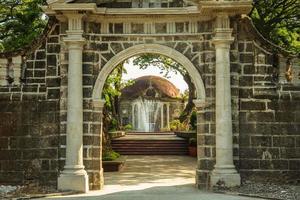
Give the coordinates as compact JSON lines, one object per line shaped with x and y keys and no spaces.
{"x":151,"y":49}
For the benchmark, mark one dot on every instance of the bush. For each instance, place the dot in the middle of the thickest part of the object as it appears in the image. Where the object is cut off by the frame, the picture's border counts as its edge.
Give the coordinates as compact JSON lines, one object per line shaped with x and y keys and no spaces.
{"x":193,"y":120}
{"x":113,"y":124}
{"x":110,"y":155}
{"x":176,"y":125}
{"x":128,"y":127}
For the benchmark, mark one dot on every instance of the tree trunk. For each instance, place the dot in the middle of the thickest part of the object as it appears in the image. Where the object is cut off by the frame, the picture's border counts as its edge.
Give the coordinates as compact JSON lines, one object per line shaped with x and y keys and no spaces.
{"x":189,"y":106}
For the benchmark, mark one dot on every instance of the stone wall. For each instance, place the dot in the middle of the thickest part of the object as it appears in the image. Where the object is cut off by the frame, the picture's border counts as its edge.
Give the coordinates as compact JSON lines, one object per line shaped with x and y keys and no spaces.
{"x":29,"y":115}
{"x":269,"y":113}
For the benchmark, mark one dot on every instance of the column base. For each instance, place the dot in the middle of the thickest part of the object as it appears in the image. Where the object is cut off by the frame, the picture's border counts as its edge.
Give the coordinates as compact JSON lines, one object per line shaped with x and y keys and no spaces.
{"x":101,"y":179}
{"x":227,"y":178}
{"x":73,"y":181}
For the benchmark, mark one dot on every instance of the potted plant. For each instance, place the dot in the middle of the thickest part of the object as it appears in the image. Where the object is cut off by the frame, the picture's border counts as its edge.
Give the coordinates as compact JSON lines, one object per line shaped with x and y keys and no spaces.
{"x":112,"y":161}
{"x":192,"y":147}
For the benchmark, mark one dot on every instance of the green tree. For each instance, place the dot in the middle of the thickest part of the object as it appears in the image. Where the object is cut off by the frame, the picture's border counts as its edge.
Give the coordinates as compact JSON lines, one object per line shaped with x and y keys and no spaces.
{"x":20,"y":22}
{"x":278,"y":21}
{"x":166,"y":65}
{"x":111,"y":93}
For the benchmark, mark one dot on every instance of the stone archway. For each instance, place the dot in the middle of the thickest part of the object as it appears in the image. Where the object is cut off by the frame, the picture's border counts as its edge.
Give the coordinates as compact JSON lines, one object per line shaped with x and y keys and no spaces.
{"x":98,"y":102}
{"x":215,"y":63}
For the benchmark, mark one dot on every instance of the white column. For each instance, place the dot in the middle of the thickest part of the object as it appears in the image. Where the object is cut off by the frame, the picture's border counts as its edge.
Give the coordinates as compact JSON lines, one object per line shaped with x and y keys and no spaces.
{"x":224,"y":170}
{"x":17,"y":61}
{"x":74,"y":177}
{"x":162,"y":116}
{"x":3,"y":72}
{"x":168,"y":116}
{"x":132,"y":115}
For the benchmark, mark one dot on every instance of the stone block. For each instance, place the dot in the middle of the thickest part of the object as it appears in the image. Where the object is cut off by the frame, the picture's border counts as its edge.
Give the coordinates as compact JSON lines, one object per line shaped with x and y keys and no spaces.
{"x":246,"y":81}
{"x":249,"y":69}
{"x":116,"y":47}
{"x":290,"y":153}
{"x":205,"y":164}
{"x":52,"y":60}
{"x":252,"y":105}
{"x":245,"y":92}
{"x":91,"y":140}
{"x":53,"y":48}
{"x":40,"y":55}
{"x":294,"y":164}
{"x":284,"y":116}
{"x":246,"y":58}
{"x":249,"y":153}
{"x":284,"y":141}
{"x":48,"y":153}
{"x":181,"y":46}
{"x":40,"y":65}
{"x":108,"y":56}
{"x":53,"y":39}
{"x":274,"y":164}
{"x":261,"y":141}
{"x":53,"y":93}
{"x":10,"y":154}
{"x":209,"y":140}
{"x":53,"y":82}
{"x":88,"y":80}
{"x":249,"y":164}
{"x":89,"y":57}
{"x":260,"y":116}
{"x":204,"y":152}
{"x":244,"y":140}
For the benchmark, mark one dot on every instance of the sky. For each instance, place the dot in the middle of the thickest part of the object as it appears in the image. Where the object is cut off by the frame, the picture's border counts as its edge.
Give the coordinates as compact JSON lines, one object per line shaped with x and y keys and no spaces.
{"x":134,"y":72}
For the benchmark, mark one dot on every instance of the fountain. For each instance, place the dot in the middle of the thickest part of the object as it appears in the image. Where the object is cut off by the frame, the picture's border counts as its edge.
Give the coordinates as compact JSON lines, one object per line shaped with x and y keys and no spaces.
{"x":147,"y":114}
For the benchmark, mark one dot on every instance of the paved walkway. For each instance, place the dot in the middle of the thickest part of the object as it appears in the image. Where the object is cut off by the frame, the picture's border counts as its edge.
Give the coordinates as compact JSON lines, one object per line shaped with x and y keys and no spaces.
{"x":153,"y":178}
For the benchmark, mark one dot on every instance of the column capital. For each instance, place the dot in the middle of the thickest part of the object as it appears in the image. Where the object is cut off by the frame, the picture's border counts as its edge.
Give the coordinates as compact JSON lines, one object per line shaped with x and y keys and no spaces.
{"x":200,"y":103}
{"x":223,"y":33}
{"x":98,"y":103}
{"x":74,"y":41}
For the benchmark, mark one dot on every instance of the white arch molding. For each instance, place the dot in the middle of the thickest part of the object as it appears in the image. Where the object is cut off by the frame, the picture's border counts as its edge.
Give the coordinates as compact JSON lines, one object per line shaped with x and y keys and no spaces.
{"x":149,"y":48}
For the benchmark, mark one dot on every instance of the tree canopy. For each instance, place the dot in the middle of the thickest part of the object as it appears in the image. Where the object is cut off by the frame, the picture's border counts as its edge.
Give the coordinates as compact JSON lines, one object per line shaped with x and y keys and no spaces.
{"x":279,"y":21}
{"x":20,"y":22}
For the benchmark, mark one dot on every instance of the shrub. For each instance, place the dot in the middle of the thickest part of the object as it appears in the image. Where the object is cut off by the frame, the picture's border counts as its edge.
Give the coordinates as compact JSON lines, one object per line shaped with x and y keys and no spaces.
{"x":193,"y":120}
{"x":110,"y":155}
{"x":128,"y":127}
{"x":176,"y":125}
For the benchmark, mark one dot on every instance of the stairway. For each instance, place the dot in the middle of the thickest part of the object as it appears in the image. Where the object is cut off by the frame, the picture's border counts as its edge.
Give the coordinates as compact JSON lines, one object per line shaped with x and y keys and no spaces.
{"x":150,"y":144}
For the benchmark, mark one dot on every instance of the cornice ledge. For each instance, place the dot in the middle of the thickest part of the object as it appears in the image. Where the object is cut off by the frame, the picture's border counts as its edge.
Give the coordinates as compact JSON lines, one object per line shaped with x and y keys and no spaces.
{"x":231,"y":7}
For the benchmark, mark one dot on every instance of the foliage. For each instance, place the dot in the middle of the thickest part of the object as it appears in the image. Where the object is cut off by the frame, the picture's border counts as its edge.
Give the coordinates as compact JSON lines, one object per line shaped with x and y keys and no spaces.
{"x":279,"y":21}
{"x":112,"y":92}
{"x":20,"y":22}
{"x":176,"y":125}
{"x":110,"y":155}
{"x":127,"y":127}
{"x":193,"y":120}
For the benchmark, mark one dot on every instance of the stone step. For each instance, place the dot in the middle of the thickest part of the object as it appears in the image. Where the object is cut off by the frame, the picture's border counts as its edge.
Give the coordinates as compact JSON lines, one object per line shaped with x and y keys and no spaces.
{"x":150,"y":147}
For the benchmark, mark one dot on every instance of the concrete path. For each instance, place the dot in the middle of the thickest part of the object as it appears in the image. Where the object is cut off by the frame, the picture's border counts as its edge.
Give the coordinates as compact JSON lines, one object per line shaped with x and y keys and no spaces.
{"x":153,"y":178}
